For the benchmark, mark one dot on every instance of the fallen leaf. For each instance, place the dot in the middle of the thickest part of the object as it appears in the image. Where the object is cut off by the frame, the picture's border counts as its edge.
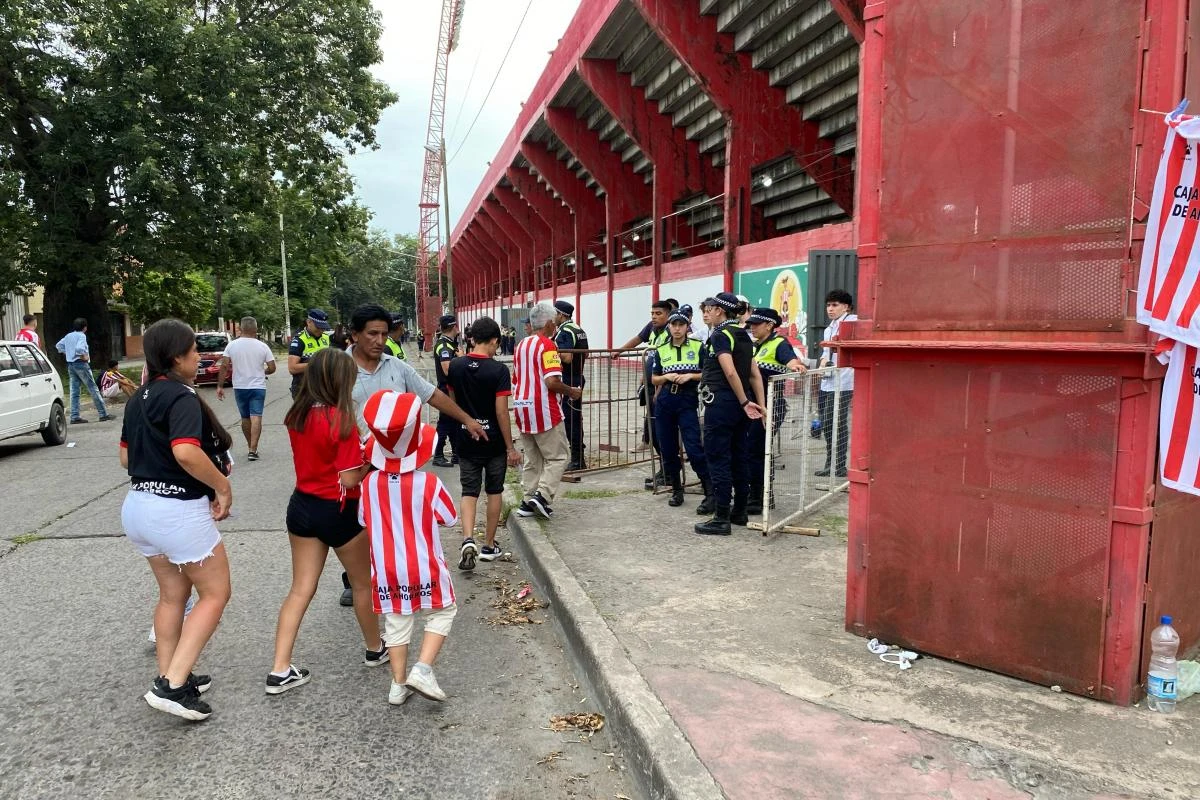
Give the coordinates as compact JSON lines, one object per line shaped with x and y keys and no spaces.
{"x":582,"y":722}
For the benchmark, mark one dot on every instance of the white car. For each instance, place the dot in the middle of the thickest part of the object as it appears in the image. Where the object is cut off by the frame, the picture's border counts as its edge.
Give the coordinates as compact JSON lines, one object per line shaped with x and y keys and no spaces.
{"x":30,"y":394}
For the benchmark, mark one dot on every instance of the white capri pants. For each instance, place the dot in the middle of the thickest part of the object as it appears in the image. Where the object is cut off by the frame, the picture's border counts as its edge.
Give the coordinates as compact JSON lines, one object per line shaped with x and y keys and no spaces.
{"x":181,"y":530}
{"x":398,"y":628}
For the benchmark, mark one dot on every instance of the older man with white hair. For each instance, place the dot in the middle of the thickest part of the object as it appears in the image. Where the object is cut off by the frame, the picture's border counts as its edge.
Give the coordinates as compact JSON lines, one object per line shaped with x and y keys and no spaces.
{"x":537,"y":374}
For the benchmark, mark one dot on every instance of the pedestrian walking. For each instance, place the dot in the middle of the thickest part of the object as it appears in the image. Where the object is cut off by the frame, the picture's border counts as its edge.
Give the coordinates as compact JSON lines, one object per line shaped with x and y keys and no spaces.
{"x":28,"y":332}
{"x":572,"y":343}
{"x":176,"y":453}
{"x":322,"y":514}
{"x":774,"y":356}
{"x":733,"y":395}
{"x":445,"y":350}
{"x":676,"y":377}
{"x":839,"y":305}
{"x":402,"y":508}
{"x":74,"y":347}
{"x":250,"y":361}
{"x":420,"y":344}
{"x":481,"y":386}
{"x":306,"y":343}
{"x":537,"y":374}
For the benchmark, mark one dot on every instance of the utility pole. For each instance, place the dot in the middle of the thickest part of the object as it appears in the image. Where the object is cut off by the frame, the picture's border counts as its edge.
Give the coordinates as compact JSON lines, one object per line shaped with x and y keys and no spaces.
{"x":287,"y":316}
{"x":444,"y":252}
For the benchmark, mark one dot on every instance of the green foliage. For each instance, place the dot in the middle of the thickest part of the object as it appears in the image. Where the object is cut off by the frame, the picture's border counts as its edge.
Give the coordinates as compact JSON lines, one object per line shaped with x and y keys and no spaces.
{"x":163,"y":132}
{"x":243,"y":299}
{"x":152,"y":295}
{"x":377,"y":269}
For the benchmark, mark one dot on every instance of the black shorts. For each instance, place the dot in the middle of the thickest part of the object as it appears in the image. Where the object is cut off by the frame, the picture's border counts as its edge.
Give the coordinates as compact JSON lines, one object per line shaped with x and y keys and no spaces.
{"x":330,"y":521}
{"x":491,"y":469}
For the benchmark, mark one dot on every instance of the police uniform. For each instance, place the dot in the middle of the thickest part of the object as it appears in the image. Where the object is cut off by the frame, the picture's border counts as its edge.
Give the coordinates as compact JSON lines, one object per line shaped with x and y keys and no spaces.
{"x":725,"y":420}
{"x":572,"y":337}
{"x":445,"y":349}
{"x":675,"y":413}
{"x":305,"y":345}
{"x":772,"y":355}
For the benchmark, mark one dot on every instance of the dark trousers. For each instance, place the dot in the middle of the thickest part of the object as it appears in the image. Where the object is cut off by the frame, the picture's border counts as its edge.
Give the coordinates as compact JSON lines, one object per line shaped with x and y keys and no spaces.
{"x":843,"y":428}
{"x":448,"y":429}
{"x":573,"y":424}
{"x":675,"y":417}
{"x":725,"y":424}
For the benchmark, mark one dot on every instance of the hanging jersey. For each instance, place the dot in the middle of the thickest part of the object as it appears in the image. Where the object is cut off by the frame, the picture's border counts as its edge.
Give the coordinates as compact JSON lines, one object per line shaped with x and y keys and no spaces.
{"x":1169,"y":280}
{"x":535,"y":361}
{"x":1179,"y":417}
{"x":401,"y":513}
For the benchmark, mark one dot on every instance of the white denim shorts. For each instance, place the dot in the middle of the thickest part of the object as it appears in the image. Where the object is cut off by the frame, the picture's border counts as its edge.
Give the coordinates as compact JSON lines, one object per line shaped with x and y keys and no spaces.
{"x":398,"y":628}
{"x":181,"y":530}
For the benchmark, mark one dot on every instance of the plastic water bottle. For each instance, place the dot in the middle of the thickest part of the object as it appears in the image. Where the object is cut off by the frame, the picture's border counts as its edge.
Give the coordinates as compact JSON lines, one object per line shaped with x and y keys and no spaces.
{"x":814,"y":429}
{"x":1164,"y":670}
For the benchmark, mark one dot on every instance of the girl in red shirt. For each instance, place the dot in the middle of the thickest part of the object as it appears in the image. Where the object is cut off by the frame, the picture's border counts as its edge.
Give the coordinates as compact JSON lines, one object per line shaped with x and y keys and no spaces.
{"x":323,"y":510}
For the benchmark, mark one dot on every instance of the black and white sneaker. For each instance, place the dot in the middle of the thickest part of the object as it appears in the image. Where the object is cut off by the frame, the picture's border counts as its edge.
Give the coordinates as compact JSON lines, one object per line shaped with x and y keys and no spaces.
{"x":541,"y":506}
{"x":295,"y":677}
{"x":373,"y":658}
{"x":202,"y":682}
{"x":252,"y":455}
{"x":487,"y":553}
{"x":526,"y":509}
{"x":183,"y":702}
{"x":467,"y":555}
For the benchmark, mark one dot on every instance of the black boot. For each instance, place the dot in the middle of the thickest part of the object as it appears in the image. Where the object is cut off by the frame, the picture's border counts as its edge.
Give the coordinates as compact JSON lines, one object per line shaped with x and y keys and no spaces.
{"x":737,"y":515}
{"x":717,"y":526}
{"x":708,"y":505}
{"x":659,"y":479}
{"x":755,"y":504}
{"x":676,"y":491}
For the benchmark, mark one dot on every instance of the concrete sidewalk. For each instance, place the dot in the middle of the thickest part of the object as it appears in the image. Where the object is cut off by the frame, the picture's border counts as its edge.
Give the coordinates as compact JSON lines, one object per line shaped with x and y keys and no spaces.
{"x":725,"y":667}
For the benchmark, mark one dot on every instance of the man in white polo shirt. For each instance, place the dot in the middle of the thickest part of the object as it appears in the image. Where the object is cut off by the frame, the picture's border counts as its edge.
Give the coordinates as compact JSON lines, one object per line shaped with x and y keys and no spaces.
{"x":252,"y":362}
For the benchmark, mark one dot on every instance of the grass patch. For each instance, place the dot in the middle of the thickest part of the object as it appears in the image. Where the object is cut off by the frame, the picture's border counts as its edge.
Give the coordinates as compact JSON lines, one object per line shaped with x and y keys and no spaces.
{"x":597,"y":494}
{"x":834,"y":524}
{"x":26,"y":538}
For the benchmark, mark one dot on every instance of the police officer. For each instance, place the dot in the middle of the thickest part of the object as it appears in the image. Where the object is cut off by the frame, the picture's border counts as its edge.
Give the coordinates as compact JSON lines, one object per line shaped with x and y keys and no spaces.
{"x":306,"y":343}
{"x":445,"y":349}
{"x":676,"y":377}
{"x":571,"y":337}
{"x":395,"y":340}
{"x":732,"y":391}
{"x":774,"y":356}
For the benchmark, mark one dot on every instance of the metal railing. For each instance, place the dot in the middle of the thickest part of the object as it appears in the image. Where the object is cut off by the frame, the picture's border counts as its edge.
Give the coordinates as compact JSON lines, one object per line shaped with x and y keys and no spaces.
{"x":806,"y":429}
{"x":612,"y":413}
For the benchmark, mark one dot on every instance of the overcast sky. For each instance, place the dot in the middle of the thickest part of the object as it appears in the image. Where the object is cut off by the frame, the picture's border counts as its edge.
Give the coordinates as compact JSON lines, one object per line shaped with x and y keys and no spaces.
{"x":389,"y":179}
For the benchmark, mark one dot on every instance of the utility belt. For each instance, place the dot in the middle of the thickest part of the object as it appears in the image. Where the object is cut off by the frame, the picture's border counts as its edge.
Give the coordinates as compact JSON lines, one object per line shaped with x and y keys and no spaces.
{"x":688,"y":389}
{"x":710,"y":395}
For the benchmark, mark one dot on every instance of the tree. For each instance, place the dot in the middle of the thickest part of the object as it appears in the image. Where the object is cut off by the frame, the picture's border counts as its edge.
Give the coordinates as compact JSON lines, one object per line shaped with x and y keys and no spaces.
{"x":157,"y":131}
{"x":243,"y":299}
{"x":378,"y":269}
{"x":152,"y":295}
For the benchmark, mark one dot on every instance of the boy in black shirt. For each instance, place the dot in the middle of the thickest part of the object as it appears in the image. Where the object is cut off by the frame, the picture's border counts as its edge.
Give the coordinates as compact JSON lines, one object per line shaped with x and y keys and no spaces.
{"x":481,"y":386}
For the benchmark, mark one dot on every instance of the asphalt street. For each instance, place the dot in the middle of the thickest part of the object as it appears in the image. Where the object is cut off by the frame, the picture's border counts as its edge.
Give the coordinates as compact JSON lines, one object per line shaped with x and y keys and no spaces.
{"x":74,"y":660}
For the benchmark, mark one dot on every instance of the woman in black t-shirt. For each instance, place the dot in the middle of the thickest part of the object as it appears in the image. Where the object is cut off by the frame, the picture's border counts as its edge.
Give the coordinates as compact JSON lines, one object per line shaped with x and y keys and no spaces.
{"x":176,"y":453}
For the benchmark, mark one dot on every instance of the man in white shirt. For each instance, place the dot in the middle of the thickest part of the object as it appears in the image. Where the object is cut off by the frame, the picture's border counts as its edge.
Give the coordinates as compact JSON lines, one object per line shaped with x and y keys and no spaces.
{"x":252,"y":361}
{"x":838,"y":306}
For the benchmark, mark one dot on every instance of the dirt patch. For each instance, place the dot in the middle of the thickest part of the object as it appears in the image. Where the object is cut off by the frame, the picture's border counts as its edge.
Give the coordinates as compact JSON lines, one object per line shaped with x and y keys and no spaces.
{"x":514,"y":605}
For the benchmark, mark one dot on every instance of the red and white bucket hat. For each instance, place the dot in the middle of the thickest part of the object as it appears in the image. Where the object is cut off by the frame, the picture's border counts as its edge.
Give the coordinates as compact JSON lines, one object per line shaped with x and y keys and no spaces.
{"x":399,"y":442}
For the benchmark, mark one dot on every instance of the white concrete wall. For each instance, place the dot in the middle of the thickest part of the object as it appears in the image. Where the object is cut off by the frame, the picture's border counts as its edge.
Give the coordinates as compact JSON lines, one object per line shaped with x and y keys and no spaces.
{"x":691,"y":292}
{"x":592,"y":316}
{"x":631,"y":311}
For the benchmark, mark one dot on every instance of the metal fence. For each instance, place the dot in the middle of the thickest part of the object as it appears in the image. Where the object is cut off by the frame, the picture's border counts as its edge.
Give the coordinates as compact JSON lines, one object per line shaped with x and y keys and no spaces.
{"x":803,"y":441}
{"x":612,"y":414}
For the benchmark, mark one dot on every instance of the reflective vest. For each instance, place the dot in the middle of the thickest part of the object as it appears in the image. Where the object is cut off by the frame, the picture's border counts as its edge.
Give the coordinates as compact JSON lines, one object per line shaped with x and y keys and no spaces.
{"x":659,"y":337}
{"x":311,"y":345}
{"x":395,"y":349}
{"x":684,"y":358}
{"x":767,"y":355}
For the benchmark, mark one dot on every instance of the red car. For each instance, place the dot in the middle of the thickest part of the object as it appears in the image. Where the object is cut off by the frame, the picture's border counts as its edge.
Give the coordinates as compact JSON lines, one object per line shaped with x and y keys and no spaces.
{"x":210,"y":345}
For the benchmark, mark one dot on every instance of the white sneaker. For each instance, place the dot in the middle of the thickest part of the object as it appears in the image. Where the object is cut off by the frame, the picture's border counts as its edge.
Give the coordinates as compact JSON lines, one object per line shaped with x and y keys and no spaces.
{"x":187,"y":609}
{"x":424,"y":682}
{"x":399,"y":694}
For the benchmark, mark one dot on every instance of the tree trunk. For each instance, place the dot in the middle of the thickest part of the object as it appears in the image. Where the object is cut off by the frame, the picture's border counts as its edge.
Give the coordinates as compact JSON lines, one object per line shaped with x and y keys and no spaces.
{"x":64,"y":301}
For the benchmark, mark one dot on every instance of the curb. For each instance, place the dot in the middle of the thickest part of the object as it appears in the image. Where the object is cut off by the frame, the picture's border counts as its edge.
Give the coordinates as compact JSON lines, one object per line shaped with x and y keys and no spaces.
{"x":665,"y":765}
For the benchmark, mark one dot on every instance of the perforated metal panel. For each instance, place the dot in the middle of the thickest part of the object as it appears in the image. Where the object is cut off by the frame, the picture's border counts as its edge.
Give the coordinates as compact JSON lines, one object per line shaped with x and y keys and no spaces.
{"x":1005,"y":192}
{"x":990,"y":520}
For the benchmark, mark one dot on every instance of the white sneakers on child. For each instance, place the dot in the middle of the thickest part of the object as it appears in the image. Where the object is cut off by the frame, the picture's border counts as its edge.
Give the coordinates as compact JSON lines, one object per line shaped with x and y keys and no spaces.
{"x":423,"y":682}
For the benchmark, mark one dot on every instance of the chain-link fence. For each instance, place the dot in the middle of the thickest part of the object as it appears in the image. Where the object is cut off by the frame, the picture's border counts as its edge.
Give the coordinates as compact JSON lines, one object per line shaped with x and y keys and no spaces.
{"x":807,"y":443}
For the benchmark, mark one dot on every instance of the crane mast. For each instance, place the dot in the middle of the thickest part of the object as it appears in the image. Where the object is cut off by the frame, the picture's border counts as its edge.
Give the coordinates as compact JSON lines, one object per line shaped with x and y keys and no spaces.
{"x":429,"y":299}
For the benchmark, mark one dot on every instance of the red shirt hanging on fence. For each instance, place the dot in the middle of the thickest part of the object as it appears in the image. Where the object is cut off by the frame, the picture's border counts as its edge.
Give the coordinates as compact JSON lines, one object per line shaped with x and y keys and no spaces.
{"x":1179,"y":419}
{"x":1169,"y":280}
{"x":402,"y":512}
{"x":535,"y":360}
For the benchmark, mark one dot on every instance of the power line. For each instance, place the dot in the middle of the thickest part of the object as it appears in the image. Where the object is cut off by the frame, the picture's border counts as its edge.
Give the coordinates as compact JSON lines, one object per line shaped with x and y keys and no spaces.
{"x":500,"y":69}
{"x":467,"y":91}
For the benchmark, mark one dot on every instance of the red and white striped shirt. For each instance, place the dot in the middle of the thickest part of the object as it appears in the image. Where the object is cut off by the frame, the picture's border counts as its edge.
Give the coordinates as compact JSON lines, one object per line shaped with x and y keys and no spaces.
{"x":1169,"y":280}
{"x":26,"y":335}
{"x":534,"y":362}
{"x":1179,"y":417}
{"x":401,"y":513}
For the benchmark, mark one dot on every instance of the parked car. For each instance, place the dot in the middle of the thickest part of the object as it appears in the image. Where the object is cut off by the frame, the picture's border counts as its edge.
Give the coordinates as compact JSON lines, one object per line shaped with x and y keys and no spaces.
{"x":210,"y":345}
{"x":30,"y":394}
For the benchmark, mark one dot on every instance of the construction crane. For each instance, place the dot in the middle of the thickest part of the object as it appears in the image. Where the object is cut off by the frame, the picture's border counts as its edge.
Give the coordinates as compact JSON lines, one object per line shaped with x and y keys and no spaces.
{"x":429,"y":304}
